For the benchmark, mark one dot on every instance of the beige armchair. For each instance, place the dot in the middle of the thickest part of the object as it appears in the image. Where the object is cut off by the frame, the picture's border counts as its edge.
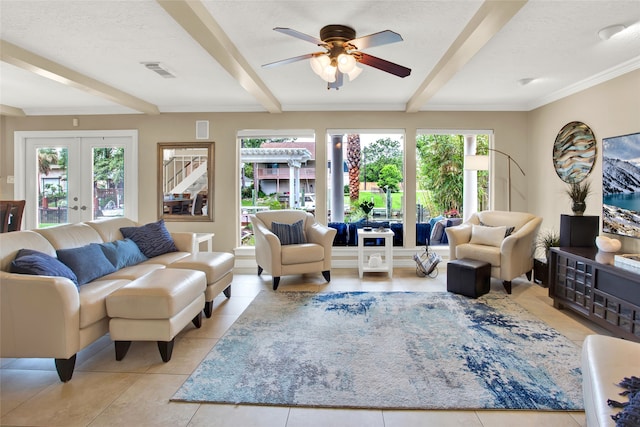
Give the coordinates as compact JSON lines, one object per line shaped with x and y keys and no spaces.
{"x":295,"y":258}
{"x":509,"y":256}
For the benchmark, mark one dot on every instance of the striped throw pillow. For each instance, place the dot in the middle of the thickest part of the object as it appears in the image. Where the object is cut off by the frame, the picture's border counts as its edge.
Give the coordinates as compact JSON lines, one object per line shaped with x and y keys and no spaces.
{"x":289,"y":234}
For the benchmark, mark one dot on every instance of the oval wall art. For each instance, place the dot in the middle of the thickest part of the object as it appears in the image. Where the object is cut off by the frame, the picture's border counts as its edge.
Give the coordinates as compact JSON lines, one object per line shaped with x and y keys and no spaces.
{"x":574,"y":152}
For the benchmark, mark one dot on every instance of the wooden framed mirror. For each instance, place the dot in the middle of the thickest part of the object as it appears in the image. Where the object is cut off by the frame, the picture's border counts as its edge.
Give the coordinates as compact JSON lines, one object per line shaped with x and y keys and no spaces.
{"x":185,"y":181}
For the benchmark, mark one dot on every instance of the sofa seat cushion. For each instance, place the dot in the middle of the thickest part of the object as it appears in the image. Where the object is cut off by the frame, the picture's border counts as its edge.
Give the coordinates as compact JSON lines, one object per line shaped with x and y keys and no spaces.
{"x":302,"y":254}
{"x":134,"y":272}
{"x":158,"y":295}
{"x":215,"y":265}
{"x":93,"y":299}
{"x":166,"y":259}
{"x":490,"y":254}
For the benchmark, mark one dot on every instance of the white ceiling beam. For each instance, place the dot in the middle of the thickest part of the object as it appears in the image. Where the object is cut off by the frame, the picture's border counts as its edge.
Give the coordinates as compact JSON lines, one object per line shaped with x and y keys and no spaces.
{"x":486,"y":23}
{"x":31,"y":62}
{"x":7,"y":110}
{"x":194,"y":17}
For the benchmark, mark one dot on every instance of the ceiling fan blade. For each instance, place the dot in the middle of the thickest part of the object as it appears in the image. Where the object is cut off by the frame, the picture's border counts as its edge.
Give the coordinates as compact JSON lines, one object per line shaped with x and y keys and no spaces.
{"x":384,"y":65}
{"x":338,"y":83}
{"x":299,"y":35}
{"x":376,"y":39}
{"x":288,"y":61}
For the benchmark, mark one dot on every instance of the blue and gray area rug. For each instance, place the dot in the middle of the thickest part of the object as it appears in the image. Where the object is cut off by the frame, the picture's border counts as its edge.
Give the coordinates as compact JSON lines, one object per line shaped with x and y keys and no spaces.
{"x":389,"y":350}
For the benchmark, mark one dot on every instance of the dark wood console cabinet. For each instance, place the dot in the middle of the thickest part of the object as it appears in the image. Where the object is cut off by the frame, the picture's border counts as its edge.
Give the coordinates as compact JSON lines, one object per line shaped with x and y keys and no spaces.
{"x":606,"y":294}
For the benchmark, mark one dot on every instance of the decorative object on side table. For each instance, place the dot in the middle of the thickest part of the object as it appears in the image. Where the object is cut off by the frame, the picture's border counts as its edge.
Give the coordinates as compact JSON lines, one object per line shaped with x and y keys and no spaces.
{"x":367,"y":207}
{"x":606,"y":244}
{"x":578,"y":192}
{"x":546,"y":240}
{"x":629,"y":262}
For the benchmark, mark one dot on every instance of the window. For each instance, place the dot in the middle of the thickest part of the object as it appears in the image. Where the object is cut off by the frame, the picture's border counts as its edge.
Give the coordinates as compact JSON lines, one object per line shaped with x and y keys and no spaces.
{"x":277,"y":171}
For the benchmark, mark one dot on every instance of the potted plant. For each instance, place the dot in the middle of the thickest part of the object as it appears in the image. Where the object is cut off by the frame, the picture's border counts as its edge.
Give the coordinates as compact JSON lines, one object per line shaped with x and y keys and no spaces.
{"x":578,"y":192}
{"x":366,"y":207}
{"x":546,"y":240}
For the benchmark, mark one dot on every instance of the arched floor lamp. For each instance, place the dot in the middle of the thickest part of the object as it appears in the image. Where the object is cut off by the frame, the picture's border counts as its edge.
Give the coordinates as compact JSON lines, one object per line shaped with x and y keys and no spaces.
{"x":481,"y":163}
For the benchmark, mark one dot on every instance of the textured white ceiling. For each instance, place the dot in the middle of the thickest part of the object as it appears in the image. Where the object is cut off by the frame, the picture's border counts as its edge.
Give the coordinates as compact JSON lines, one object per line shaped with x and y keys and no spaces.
{"x":554,"y":41}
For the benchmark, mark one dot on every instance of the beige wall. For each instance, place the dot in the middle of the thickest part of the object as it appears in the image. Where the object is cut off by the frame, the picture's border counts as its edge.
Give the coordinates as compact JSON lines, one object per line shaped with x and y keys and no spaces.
{"x":509,"y":127}
{"x":612,"y":108}
{"x":609,"y":109}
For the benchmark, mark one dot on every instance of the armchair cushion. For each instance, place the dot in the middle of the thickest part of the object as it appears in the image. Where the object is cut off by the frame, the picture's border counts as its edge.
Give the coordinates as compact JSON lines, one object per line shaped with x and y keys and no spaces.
{"x":301,"y":254}
{"x":153,"y":239}
{"x":289,"y":234}
{"x":28,"y":261}
{"x":490,"y":236}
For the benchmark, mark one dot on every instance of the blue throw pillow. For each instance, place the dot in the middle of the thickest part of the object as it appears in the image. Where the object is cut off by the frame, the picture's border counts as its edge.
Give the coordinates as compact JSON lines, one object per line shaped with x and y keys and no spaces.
{"x":122,"y":253}
{"x":153,"y":239}
{"x":87,"y":262}
{"x":289,"y":234}
{"x":28,"y":261}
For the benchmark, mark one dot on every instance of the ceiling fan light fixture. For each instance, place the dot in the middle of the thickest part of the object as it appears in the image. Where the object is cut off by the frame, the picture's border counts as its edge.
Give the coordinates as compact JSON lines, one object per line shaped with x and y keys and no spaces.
{"x":346,"y":63}
{"x":318,"y":63}
{"x":329,"y":74}
{"x":354,"y":73}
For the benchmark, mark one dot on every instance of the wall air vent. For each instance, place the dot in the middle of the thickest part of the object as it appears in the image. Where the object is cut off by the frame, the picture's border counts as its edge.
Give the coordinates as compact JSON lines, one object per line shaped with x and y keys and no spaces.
{"x":159,"y":69}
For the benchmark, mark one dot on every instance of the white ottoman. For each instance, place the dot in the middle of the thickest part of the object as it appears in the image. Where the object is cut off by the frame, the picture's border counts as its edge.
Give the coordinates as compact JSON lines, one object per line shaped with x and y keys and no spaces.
{"x":156,"y":307}
{"x":218,"y":266}
{"x":605,"y":362}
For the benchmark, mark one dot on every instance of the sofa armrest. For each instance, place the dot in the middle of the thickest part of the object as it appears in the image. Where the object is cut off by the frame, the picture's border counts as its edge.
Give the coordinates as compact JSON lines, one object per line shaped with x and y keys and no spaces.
{"x":185,"y":241}
{"x":40,"y":316}
{"x":457,"y":235}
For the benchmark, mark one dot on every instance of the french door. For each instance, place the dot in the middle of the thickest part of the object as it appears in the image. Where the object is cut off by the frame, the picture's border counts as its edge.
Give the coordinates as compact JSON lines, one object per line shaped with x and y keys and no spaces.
{"x":75,"y":176}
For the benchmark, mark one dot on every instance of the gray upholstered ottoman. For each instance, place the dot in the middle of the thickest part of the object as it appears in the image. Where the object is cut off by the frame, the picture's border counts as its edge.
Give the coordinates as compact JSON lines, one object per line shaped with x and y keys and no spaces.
{"x":468,"y":277}
{"x":156,"y":307}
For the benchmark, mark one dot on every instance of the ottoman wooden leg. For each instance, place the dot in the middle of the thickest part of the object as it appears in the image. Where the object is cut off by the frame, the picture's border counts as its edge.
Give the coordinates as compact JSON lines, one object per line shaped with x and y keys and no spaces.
{"x":121,"y":349}
{"x":227,"y":292}
{"x":197,"y":321}
{"x":166,"y":348}
{"x":507,"y":286}
{"x":65,"y":368}
{"x":208,"y":308}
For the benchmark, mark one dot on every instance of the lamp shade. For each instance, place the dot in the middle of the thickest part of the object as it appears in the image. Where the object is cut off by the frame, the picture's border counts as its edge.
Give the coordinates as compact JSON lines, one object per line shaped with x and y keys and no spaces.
{"x":346,"y":63}
{"x":354,"y":73}
{"x":476,"y":163}
{"x":318,"y":63}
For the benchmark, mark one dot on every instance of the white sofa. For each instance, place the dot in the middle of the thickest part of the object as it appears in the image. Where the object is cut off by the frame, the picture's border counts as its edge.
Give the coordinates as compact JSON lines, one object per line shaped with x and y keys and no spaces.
{"x":46,"y":316}
{"x":605,"y":362}
{"x":511,"y":256}
{"x":280,"y":260}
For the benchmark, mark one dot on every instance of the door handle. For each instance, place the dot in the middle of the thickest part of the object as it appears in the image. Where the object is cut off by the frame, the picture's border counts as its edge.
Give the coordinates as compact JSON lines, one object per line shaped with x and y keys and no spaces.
{"x":83,"y":207}
{"x":75,"y":208}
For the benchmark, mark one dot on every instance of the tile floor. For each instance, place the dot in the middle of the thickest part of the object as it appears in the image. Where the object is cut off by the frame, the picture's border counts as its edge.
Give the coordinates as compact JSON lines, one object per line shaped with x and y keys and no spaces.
{"x":136,"y":390}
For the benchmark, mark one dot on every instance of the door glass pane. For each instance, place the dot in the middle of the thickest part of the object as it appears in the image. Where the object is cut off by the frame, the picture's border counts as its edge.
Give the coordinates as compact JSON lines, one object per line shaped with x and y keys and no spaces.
{"x":52,"y":186}
{"x":108,"y":182}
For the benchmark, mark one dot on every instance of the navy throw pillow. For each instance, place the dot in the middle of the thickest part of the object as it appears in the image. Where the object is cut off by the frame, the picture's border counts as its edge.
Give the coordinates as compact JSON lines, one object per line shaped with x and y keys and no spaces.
{"x":28,"y":261}
{"x":87,"y":262}
{"x":122,"y":253}
{"x":153,"y":239}
{"x":289,"y":234}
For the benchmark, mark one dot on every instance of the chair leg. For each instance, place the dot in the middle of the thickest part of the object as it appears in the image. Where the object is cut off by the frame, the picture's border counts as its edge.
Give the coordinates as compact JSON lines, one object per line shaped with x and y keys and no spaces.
{"x":529,"y":274}
{"x":259,"y":270}
{"x":276,"y":282}
{"x":507,"y":286}
{"x":197,"y":321}
{"x":121,"y":349}
{"x":227,"y":292}
{"x":166,"y":348}
{"x":65,"y":368}
{"x":208,"y":308}
{"x":327,"y":275}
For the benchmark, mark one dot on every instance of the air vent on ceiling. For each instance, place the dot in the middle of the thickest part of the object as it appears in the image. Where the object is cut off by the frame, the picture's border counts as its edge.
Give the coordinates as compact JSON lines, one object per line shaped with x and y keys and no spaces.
{"x":159,"y":69}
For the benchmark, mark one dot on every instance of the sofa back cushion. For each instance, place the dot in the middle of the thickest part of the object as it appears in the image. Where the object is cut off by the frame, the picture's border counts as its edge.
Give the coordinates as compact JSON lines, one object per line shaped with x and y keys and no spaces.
{"x":109,"y":228}
{"x":70,"y":235}
{"x":11,"y":243}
